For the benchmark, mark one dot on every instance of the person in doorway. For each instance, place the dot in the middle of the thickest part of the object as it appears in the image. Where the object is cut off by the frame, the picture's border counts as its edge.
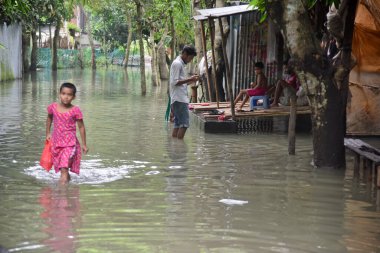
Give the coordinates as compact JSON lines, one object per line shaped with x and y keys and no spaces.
{"x":258,"y":88}
{"x":65,"y":148}
{"x":178,"y":91}
{"x":290,"y":80}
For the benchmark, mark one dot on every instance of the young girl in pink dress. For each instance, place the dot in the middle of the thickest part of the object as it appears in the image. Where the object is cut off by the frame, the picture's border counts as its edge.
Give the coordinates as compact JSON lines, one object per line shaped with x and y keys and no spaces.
{"x":65,"y":148}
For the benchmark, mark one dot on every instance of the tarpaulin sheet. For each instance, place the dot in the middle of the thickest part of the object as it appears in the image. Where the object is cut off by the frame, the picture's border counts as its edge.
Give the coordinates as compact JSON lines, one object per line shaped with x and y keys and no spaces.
{"x":363,"y":108}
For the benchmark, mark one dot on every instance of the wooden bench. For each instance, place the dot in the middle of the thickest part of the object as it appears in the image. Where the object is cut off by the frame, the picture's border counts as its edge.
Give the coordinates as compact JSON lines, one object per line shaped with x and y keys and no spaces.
{"x":368,"y":154}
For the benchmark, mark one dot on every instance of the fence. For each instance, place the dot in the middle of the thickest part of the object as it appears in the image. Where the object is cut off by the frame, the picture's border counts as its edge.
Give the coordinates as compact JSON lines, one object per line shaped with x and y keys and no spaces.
{"x":72,"y":58}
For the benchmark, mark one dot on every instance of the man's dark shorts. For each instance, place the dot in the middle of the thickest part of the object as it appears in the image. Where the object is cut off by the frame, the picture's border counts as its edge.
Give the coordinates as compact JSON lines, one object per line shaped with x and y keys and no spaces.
{"x":181,"y":114}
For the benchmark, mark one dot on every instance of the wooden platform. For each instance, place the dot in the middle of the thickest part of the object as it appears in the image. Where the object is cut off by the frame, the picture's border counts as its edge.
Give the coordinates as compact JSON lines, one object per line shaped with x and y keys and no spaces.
{"x":225,"y":108}
{"x":219,"y":120}
{"x":370,"y":157}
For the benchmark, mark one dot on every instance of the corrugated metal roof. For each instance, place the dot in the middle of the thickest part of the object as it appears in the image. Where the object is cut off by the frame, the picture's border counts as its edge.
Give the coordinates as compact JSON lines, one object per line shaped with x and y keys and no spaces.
{"x":223,"y":11}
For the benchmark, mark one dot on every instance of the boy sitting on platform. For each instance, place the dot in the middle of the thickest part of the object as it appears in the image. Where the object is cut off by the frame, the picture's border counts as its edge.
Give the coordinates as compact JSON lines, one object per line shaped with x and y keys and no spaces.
{"x":259,"y":88}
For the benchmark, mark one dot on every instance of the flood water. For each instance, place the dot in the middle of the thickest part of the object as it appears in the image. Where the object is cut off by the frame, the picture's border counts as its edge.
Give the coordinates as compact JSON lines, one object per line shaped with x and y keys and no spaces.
{"x":141,"y":191}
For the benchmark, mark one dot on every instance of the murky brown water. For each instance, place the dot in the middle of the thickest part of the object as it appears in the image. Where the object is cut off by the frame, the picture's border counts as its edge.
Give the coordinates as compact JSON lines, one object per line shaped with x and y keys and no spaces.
{"x":141,"y":191}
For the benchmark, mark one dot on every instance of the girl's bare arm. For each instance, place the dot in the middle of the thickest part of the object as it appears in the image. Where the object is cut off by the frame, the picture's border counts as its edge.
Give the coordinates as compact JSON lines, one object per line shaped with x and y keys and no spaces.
{"x":82,"y":131}
{"x":49,"y":119}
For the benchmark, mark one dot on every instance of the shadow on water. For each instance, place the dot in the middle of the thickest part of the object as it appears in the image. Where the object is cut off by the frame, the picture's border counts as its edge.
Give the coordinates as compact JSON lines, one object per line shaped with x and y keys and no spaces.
{"x":140,"y":190}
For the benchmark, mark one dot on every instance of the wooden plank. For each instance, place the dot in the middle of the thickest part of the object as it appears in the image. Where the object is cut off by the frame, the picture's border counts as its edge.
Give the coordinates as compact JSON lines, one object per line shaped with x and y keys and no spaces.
{"x":356,"y":146}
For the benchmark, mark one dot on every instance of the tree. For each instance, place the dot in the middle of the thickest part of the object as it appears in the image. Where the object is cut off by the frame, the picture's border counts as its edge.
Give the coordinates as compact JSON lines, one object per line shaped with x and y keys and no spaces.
{"x":61,"y":10}
{"x":220,"y":64}
{"x":139,"y":10}
{"x":325,"y":80}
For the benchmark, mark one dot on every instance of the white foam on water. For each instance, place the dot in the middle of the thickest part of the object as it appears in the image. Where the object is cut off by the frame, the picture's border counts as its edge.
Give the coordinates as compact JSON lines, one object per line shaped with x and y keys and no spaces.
{"x":152,"y":172}
{"x":38,"y":246}
{"x":141,"y":162}
{"x":233,"y":201}
{"x":175,"y":167}
{"x":91,"y":172}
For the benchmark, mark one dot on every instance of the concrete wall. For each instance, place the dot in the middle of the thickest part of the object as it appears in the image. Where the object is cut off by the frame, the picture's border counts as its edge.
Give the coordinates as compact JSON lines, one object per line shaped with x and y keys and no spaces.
{"x":10,"y":52}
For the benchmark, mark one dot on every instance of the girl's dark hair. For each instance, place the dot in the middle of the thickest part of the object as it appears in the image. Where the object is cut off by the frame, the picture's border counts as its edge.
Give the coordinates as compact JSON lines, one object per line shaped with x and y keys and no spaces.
{"x":70,"y":86}
{"x":259,"y":64}
{"x":189,"y":50}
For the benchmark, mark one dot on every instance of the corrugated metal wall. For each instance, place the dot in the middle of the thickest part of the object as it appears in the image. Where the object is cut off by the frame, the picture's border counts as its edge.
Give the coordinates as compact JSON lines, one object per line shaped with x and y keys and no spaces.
{"x":250,"y":42}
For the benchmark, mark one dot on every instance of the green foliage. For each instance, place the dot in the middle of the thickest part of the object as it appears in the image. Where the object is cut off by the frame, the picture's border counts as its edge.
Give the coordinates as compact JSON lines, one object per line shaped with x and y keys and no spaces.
{"x":109,"y":24}
{"x":71,"y":26}
{"x":311,"y":3}
{"x":13,"y":10}
{"x":262,"y":4}
{"x":183,"y":21}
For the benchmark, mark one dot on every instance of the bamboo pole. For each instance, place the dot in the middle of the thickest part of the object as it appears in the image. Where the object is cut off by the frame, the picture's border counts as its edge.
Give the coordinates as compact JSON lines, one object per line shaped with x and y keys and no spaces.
{"x":206,"y":62}
{"x":228,"y":72}
{"x":247,"y":58}
{"x":240,"y":62}
{"x":237,"y":61}
{"x":213,"y":63}
{"x":247,"y":50}
{"x":292,"y":125}
{"x":244,"y":52}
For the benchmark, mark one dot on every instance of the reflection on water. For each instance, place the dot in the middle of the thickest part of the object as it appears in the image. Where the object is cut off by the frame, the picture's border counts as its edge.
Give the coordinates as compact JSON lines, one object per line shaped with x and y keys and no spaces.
{"x":61,"y":209}
{"x":142,"y":191}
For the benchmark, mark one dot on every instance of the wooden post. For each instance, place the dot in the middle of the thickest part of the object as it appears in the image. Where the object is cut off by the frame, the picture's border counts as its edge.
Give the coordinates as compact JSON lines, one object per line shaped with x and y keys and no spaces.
{"x":213,"y":63}
{"x":356,"y":164}
{"x":374,"y":173}
{"x":206,"y":62}
{"x":228,"y":71}
{"x":194,"y":94}
{"x":366,"y":171}
{"x":292,"y":125}
{"x":378,"y":175}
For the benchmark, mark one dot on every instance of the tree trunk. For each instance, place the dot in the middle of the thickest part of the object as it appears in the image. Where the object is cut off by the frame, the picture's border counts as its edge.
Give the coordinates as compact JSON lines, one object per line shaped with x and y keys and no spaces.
{"x":197,"y":31}
{"x":25,"y":50}
{"x":54,"y":53}
{"x":80,"y":57}
{"x":220,"y":65}
{"x":161,"y":56}
{"x":129,"y":41}
{"x":141,"y":43}
{"x":50,"y":38}
{"x":90,"y":39}
{"x":155,"y":73}
{"x":33,"y":56}
{"x":39,"y":36}
{"x":173,"y":41}
{"x":161,"y":60}
{"x":327,"y":99}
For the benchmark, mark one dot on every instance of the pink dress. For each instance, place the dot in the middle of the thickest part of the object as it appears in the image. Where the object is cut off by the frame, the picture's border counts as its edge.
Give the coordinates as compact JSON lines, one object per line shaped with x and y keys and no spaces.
{"x":66,"y":150}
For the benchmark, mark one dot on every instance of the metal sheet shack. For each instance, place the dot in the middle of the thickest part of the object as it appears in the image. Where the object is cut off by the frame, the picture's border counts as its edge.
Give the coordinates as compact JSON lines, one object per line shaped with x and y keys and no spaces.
{"x":247,"y":42}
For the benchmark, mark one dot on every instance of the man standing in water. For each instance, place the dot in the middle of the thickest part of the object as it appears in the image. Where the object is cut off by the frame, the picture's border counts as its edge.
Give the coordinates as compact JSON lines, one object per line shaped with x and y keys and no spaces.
{"x":178,"y":91}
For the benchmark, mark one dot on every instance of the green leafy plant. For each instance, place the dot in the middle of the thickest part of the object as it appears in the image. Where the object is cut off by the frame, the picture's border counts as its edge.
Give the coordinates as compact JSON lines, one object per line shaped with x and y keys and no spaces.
{"x":71,"y":26}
